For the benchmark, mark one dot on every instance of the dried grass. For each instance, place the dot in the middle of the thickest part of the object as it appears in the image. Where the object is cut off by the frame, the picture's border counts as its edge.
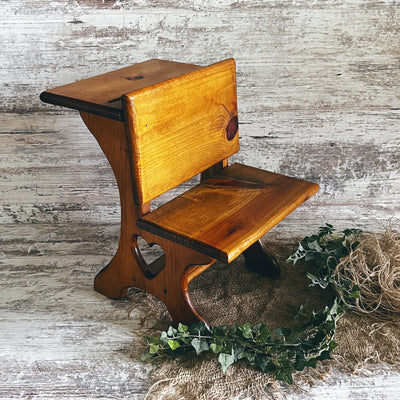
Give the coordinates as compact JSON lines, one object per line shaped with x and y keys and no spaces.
{"x":374,"y":266}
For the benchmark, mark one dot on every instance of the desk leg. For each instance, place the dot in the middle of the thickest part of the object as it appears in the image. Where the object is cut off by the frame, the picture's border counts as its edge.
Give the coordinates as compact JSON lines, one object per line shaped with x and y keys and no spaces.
{"x":114,"y":280}
{"x":258,"y":260}
{"x":125,"y":270}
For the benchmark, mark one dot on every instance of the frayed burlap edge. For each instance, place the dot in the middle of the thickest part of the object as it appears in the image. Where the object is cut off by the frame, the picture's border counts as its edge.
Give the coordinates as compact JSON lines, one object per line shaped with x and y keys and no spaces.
{"x":362,"y":342}
{"x":204,"y":380}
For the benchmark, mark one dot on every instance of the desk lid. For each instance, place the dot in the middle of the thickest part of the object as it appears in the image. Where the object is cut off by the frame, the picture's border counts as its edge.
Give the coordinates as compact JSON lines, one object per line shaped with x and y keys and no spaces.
{"x":101,"y":94}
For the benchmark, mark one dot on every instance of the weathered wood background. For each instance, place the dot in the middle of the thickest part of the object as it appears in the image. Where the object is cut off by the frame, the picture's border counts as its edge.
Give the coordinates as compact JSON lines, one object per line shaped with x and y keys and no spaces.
{"x":319,"y":98}
{"x":318,"y":91}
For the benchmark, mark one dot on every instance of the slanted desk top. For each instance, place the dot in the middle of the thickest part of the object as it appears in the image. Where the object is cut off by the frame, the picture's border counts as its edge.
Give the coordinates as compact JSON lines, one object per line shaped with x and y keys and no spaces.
{"x":101,"y":94}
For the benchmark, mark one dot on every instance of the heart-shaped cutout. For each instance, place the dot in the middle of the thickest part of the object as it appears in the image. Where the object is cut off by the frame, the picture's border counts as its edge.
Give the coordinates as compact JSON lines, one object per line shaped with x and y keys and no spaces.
{"x":150,"y":256}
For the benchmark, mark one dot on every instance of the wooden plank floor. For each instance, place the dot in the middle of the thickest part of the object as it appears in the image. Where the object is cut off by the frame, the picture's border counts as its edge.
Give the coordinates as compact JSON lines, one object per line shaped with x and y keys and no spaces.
{"x":61,"y":340}
{"x":318,"y":97}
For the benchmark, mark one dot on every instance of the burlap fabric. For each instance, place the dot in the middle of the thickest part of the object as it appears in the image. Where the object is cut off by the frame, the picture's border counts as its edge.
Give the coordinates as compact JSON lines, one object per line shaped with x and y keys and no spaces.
{"x":230,"y":294}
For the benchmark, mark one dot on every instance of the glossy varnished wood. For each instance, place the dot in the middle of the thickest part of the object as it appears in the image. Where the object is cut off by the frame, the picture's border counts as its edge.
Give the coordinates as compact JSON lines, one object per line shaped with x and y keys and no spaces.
{"x":101,"y":94}
{"x":225,"y":214}
{"x":173,"y":129}
{"x":181,"y":127}
{"x":127,"y":269}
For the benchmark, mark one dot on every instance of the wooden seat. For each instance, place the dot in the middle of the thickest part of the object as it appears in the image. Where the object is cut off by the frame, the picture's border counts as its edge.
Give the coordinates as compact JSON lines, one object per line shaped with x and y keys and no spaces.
{"x":160,"y":123}
{"x":223,"y":214}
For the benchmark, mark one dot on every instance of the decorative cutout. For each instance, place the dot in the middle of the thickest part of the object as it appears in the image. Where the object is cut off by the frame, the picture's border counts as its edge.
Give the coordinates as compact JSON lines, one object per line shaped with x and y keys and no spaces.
{"x":150,"y":256}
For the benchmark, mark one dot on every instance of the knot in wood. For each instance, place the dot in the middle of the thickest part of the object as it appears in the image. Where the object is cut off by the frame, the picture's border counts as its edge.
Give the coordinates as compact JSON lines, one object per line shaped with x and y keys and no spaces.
{"x":135,"y":78}
{"x":232,"y":128}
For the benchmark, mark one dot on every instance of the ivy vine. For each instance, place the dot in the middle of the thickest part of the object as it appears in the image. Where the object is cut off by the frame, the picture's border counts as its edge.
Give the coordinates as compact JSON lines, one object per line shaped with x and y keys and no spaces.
{"x":281,"y":351}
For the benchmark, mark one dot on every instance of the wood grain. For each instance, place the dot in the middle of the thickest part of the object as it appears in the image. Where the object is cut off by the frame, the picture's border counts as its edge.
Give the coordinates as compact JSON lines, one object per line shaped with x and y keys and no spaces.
{"x":168,"y":277}
{"x":176,"y":129}
{"x":181,"y":127}
{"x":102,"y":94}
{"x":227,"y":213}
{"x":48,"y":173}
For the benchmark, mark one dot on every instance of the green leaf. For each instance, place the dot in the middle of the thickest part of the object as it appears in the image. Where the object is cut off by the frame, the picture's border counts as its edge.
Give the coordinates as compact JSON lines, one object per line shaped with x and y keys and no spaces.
{"x":182,"y":328}
{"x":247,"y":354}
{"x":333,"y":345}
{"x":301,"y":362}
{"x":264,"y":333}
{"x":171,"y":331}
{"x":173,"y":344}
{"x":219,"y":331}
{"x":314,"y":246}
{"x":226,"y":360}
{"x":282,"y":332}
{"x":285,"y":375}
{"x":215,"y":348}
{"x":199,"y":345}
{"x":262,"y":363}
{"x":246,"y":330}
{"x":282,"y":351}
{"x":154,"y":348}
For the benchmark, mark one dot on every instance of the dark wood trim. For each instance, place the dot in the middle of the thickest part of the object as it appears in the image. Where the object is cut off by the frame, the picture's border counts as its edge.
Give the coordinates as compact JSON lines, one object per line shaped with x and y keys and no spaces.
{"x":84,"y":106}
{"x":183,"y":240}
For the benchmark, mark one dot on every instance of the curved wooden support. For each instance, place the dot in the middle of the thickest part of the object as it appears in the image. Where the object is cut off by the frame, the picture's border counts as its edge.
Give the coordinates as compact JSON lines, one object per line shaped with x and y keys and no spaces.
{"x":258,"y":260}
{"x":126,"y":269}
{"x":171,"y":283}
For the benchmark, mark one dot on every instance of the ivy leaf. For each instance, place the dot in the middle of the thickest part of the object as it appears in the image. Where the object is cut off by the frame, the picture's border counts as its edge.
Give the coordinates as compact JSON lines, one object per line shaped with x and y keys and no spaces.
{"x":226,"y":360}
{"x":171,"y":331}
{"x":314,"y":246}
{"x":247,"y":354}
{"x":154,"y":348}
{"x":199,"y":345}
{"x":215,"y":348}
{"x":281,"y":351}
{"x":246,"y":331}
{"x":301,"y":362}
{"x":282,"y":332}
{"x":238,"y":351}
{"x":264,"y":333}
{"x":219,"y":331}
{"x":284,"y":375}
{"x":164,"y":337}
{"x":182,"y":328}
{"x":262,"y":363}
{"x":173,"y":344}
{"x":284,"y":372}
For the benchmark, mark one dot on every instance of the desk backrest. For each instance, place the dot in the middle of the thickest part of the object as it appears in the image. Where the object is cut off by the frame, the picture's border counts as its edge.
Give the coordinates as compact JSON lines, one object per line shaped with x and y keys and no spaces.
{"x":180,"y":127}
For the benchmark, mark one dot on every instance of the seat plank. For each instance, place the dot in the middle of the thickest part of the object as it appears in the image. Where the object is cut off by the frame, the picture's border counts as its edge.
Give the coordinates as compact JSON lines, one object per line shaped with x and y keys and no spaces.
{"x":225,"y":214}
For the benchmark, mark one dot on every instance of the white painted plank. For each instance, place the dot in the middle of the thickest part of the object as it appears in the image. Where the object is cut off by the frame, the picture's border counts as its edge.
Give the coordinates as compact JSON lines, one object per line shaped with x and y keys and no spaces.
{"x":58,"y":174}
